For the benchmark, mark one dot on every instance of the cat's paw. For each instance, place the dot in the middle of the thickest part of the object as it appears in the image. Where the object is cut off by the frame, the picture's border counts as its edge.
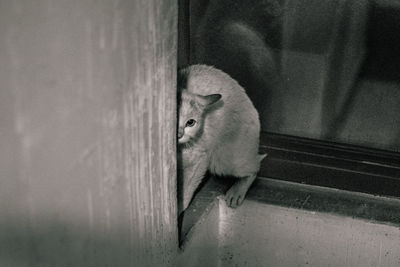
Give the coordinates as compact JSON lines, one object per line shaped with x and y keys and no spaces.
{"x":235,"y":195}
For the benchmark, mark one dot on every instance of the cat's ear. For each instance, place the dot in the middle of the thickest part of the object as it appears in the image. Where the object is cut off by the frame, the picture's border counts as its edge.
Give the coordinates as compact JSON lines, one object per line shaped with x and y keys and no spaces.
{"x":208,"y":100}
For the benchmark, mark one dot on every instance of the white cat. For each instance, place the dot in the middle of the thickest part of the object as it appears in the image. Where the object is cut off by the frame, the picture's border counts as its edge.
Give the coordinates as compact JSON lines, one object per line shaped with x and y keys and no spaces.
{"x":218,"y":132}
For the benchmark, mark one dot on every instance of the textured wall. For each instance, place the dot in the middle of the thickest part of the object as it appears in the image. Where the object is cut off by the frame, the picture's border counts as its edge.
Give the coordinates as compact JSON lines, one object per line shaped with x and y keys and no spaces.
{"x":269,"y":235}
{"x":87,"y":132}
{"x":258,"y":235}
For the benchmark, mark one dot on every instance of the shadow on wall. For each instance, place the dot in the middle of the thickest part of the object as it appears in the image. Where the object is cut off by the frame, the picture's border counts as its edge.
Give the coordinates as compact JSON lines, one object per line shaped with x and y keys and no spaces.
{"x":242,"y":41}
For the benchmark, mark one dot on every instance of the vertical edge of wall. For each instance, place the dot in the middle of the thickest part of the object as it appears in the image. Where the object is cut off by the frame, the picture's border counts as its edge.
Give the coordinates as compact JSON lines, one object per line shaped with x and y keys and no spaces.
{"x":154,"y":110}
{"x":87,"y":133}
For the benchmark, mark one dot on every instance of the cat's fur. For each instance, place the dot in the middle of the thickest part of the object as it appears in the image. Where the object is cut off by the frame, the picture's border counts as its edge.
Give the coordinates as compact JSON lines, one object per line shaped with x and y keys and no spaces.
{"x":225,"y":138}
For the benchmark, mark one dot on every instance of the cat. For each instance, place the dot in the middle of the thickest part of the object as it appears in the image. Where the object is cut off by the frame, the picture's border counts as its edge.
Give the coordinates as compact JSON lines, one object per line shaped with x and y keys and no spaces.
{"x":218,"y":132}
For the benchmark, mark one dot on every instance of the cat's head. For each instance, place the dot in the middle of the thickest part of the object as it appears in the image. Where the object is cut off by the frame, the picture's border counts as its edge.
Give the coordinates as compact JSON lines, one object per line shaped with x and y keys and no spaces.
{"x":192,"y":110}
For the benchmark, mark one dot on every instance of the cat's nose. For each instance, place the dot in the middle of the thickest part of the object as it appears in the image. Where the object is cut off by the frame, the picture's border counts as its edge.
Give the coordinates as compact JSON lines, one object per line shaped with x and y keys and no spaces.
{"x":180,"y":134}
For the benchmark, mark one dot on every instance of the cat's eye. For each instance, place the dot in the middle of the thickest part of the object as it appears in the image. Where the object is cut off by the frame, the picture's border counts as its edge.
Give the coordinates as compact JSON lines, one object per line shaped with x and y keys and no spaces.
{"x":190,"y":123}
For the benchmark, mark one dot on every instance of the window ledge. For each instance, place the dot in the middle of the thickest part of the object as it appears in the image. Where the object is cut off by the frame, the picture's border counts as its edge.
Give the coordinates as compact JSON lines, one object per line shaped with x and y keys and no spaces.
{"x":364,"y":206}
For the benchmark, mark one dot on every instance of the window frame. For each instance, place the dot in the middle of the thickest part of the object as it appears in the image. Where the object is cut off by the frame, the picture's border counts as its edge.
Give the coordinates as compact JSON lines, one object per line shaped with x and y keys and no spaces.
{"x":330,"y":164}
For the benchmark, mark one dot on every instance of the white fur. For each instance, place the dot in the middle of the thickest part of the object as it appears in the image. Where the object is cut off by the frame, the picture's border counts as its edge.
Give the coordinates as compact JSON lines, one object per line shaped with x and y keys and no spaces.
{"x":229,"y":141}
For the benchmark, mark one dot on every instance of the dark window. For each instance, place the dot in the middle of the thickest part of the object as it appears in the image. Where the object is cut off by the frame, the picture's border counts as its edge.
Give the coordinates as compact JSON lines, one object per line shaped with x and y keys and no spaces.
{"x":324,"y":76}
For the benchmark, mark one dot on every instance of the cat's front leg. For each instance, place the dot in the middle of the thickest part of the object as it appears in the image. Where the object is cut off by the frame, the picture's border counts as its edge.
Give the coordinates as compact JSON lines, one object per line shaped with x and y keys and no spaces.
{"x":235,"y":195}
{"x":192,"y":177}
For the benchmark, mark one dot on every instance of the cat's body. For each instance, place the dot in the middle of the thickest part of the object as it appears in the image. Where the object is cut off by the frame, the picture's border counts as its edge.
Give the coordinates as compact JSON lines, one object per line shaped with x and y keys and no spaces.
{"x":224,"y":139}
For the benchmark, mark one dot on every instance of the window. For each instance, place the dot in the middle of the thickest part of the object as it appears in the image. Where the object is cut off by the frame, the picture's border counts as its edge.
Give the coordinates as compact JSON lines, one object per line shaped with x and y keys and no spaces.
{"x":323,"y":76}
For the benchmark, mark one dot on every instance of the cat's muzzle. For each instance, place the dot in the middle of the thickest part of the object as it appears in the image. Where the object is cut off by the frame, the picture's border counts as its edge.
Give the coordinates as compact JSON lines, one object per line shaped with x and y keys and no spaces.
{"x":180,"y":134}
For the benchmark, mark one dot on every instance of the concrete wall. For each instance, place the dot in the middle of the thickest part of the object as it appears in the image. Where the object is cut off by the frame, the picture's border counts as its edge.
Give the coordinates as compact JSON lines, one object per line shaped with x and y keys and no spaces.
{"x":259,"y":234}
{"x":200,"y":246}
{"x":87,"y":132}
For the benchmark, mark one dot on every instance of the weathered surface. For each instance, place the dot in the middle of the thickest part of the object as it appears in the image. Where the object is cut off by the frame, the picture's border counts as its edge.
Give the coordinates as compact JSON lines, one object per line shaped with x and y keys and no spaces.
{"x":87,"y":133}
{"x":259,"y":234}
{"x":268,"y":235}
